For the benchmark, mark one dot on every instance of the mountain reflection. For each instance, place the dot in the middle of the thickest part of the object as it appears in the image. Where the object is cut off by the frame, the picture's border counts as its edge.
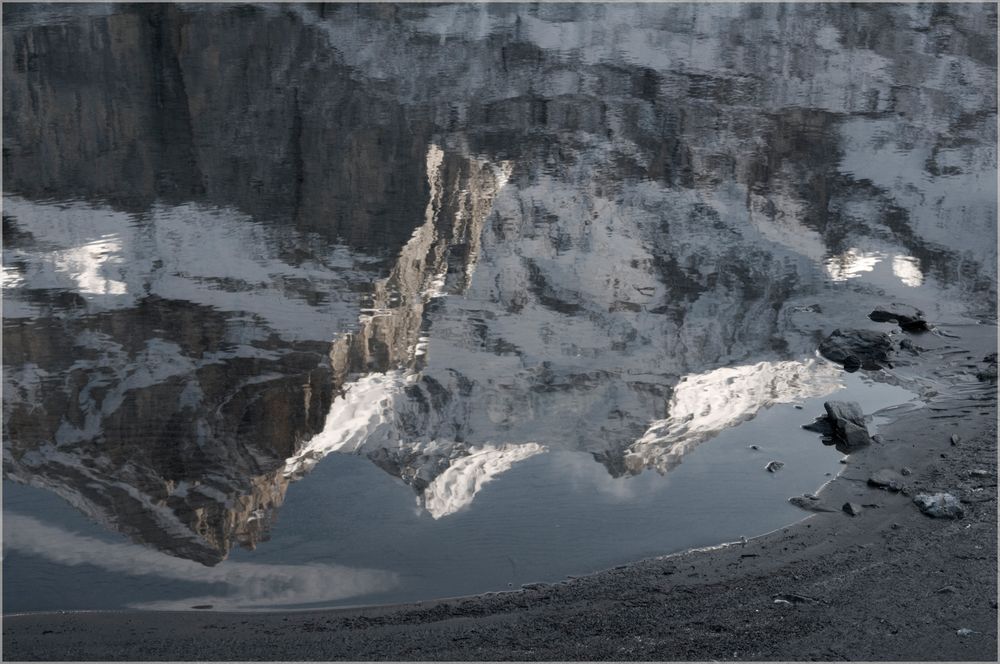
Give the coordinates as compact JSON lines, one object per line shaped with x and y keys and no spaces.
{"x":238,"y":239}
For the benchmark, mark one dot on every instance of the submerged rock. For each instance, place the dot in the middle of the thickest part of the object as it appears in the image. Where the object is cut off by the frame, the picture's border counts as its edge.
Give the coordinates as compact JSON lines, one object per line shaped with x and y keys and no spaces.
{"x":858,"y":349}
{"x":940,"y":505}
{"x":909,"y":318}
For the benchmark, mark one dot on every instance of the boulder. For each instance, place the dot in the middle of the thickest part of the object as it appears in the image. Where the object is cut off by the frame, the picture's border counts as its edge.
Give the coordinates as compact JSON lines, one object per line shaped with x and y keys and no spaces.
{"x":909,"y":318}
{"x":847,"y":424}
{"x":940,"y":505}
{"x":858,"y":349}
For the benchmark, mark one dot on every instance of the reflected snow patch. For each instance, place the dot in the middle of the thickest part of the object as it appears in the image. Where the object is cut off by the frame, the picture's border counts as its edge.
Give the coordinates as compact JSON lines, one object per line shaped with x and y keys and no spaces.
{"x":852,"y":263}
{"x":907,"y":268}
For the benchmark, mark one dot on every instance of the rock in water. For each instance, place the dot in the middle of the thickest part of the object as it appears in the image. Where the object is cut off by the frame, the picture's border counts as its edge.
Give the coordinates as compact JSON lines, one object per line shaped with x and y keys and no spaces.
{"x":774,"y":466}
{"x":847,"y":424}
{"x":886,"y":479}
{"x":865,"y":349}
{"x":852,"y":508}
{"x":844,"y":411}
{"x":909,"y":318}
{"x":940,"y":505}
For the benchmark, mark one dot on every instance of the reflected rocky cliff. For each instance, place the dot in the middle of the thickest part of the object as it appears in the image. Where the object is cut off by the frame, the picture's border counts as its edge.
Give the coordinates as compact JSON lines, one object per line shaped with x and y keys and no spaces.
{"x":452,"y":237}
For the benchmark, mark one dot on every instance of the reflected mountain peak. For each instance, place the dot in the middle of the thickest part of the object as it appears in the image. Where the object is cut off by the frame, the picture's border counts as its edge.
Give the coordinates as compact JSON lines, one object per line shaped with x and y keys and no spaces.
{"x":453,"y":238}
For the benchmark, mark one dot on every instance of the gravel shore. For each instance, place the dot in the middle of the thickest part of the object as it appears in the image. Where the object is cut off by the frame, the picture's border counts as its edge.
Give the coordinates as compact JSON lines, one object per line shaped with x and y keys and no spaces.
{"x":888,"y":584}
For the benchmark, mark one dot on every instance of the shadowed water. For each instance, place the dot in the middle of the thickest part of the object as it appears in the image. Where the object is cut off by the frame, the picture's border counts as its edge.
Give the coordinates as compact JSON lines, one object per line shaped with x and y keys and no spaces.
{"x":307,"y":305}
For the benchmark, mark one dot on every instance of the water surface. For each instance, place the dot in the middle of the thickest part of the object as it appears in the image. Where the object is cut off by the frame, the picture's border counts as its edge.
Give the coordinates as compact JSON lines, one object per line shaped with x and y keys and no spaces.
{"x":339,"y":304}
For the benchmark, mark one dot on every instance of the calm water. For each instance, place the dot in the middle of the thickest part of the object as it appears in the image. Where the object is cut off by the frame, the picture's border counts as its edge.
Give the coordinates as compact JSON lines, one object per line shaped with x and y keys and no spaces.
{"x":326,"y":305}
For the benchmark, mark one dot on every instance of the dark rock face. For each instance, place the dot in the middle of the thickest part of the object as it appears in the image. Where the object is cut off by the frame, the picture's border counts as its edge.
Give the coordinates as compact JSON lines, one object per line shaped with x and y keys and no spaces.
{"x":858,"y":349}
{"x":909,"y":318}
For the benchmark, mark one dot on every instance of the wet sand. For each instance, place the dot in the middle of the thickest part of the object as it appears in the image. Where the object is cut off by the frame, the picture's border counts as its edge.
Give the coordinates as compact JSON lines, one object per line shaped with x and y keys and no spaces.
{"x":889,"y":584}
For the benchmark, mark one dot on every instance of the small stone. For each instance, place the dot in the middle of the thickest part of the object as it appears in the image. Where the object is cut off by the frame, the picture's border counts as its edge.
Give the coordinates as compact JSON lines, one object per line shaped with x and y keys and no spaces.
{"x":852,"y":508}
{"x":978,"y":472}
{"x":965,"y":631}
{"x":798,"y":406}
{"x":886,"y":479}
{"x":905,"y":471}
{"x":754,"y":447}
{"x":895,"y":526}
{"x":940,"y":505}
{"x":774,"y":466}
{"x":947,"y":590}
{"x":877,"y":438}
{"x":955,"y":439}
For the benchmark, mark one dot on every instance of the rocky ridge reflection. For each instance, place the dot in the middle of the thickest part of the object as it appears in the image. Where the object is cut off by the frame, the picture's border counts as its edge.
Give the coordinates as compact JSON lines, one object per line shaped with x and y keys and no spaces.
{"x":635,"y":203}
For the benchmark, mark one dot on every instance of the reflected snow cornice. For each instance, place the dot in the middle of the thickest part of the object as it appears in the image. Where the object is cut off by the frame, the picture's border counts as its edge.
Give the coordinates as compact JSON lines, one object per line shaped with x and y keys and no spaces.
{"x":702,"y":405}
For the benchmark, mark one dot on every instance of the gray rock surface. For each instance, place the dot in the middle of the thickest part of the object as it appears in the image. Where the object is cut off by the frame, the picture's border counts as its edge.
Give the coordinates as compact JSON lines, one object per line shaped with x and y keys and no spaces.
{"x":940,"y":505}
